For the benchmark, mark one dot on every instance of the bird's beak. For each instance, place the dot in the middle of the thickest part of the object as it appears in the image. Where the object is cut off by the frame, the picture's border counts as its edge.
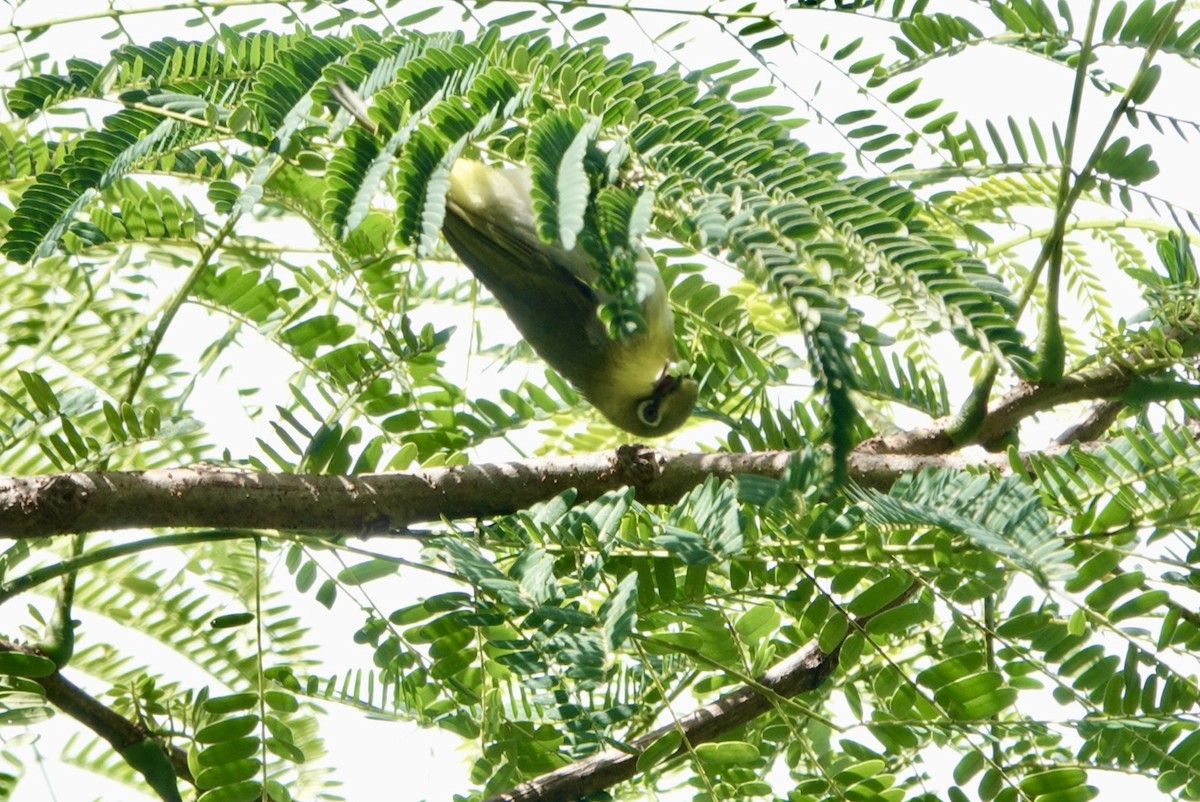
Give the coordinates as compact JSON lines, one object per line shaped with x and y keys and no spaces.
{"x":666,"y":383}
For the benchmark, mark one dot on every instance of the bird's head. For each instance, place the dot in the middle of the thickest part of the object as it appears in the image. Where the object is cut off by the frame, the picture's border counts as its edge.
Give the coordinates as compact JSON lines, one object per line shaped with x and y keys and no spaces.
{"x":651,"y":411}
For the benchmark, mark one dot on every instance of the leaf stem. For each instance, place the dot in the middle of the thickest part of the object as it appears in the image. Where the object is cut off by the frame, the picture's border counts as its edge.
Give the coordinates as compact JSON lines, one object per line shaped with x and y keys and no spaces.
{"x":181,"y":295}
{"x":39,"y":576}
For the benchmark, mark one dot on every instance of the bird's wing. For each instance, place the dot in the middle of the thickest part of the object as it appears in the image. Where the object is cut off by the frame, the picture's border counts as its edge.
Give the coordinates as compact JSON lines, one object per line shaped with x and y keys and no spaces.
{"x":553,"y":309}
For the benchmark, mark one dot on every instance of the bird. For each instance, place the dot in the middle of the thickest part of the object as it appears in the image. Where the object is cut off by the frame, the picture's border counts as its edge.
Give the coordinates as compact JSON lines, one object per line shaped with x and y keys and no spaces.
{"x":551,"y":296}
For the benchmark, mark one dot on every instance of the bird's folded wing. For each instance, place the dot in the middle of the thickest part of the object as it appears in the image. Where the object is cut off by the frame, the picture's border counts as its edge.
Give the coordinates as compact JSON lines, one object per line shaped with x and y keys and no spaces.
{"x":553,"y":309}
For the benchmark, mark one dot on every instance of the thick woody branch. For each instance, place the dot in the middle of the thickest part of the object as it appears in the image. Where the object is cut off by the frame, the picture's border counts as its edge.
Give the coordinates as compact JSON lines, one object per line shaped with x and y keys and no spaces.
{"x":207,"y":496}
{"x":366,"y":504}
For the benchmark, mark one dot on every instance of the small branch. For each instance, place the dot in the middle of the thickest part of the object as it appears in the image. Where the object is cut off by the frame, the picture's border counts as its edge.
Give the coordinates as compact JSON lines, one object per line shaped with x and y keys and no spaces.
{"x":115,"y":14}
{"x":1100,"y":417}
{"x":1052,"y":354}
{"x":181,"y":295}
{"x":37,"y":576}
{"x":1026,"y":400}
{"x":1067,"y":202}
{"x":121,"y":733}
{"x":804,"y":671}
{"x":367,"y":504}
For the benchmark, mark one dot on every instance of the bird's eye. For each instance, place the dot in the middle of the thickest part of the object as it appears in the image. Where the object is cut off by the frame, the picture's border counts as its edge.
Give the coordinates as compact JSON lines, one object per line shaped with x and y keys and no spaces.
{"x":647,"y":412}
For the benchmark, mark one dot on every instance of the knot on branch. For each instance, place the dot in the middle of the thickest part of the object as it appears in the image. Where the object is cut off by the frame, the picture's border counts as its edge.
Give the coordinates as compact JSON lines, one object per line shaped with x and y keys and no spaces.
{"x":637,"y":465}
{"x":53,"y":501}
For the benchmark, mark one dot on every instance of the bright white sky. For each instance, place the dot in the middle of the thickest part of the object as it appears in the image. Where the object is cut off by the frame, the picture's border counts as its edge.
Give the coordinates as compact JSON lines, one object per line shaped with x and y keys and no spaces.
{"x":981,"y":83}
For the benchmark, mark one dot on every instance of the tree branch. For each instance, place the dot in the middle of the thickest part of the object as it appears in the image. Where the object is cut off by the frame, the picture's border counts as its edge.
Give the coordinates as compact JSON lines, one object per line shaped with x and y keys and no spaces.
{"x":366,"y":504}
{"x":1105,"y":383}
{"x":123,"y":735}
{"x":1099,"y":418}
{"x":1020,"y":403}
{"x":804,"y":671}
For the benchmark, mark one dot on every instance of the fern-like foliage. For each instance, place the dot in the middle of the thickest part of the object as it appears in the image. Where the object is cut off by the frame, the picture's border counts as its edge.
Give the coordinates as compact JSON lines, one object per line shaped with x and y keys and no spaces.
{"x":1006,"y":517}
{"x":202,"y":210}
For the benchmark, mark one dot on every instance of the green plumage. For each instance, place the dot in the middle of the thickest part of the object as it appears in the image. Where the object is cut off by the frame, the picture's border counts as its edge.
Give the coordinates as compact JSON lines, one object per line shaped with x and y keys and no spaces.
{"x":549,"y":295}
{"x":551,"y":308}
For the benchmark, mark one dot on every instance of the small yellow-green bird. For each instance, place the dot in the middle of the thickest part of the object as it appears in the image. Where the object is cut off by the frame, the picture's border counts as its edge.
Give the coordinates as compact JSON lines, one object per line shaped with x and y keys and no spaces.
{"x":549,"y":294}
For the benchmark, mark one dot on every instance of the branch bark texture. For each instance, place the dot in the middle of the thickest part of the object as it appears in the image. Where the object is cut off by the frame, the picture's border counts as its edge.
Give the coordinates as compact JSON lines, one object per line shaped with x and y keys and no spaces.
{"x":367,"y":504}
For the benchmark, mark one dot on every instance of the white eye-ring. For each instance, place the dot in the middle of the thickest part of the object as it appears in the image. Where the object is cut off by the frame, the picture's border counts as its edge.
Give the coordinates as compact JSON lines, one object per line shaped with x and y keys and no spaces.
{"x":648,"y":412}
